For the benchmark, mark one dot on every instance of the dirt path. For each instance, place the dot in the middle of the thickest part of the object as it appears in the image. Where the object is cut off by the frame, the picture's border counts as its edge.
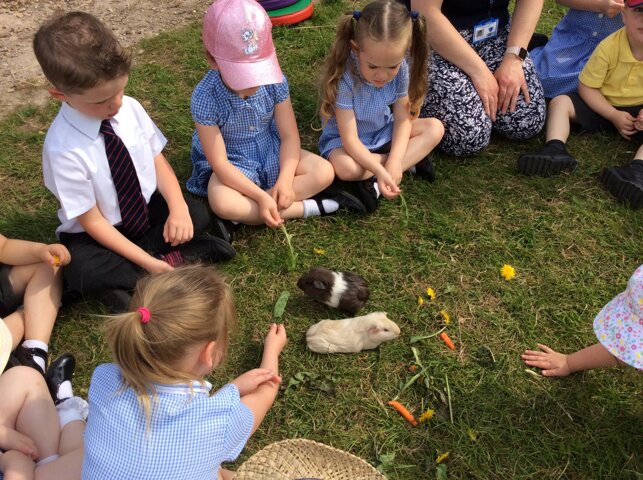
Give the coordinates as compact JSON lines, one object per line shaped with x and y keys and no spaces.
{"x":20,"y":77}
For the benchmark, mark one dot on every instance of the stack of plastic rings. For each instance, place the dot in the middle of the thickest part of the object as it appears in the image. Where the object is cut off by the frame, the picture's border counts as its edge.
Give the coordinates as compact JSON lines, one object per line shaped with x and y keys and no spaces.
{"x":287,"y":12}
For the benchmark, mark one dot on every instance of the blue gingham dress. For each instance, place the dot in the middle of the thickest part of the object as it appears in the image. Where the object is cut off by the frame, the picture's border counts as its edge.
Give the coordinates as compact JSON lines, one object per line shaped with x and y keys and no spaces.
{"x":190,"y":434}
{"x":248,"y":128}
{"x":371,"y":105}
{"x":572,"y":42}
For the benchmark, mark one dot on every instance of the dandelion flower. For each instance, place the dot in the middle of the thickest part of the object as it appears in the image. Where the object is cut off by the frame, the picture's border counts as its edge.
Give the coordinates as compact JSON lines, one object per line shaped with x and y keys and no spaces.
{"x":446,"y":318}
{"x":430,"y":293}
{"x":420,"y":301}
{"x":413,"y":368}
{"x":428,"y":415}
{"x":319,"y":251}
{"x":508,"y":272}
{"x":442,"y":457}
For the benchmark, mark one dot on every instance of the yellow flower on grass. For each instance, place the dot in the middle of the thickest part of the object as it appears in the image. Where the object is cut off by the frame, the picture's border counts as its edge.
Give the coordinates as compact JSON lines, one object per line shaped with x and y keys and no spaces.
{"x":430,"y":293}
{"x":442,"y":457}
{"x":428,"y":415}
{"x":508,"y":272}
{"x":446,"y":318}
{"x":319,"y":251}
{"x":420,"y":301}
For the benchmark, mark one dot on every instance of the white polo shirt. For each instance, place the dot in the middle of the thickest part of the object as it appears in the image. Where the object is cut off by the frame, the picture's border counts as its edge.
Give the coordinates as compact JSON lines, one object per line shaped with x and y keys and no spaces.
{"x":75,"y":166}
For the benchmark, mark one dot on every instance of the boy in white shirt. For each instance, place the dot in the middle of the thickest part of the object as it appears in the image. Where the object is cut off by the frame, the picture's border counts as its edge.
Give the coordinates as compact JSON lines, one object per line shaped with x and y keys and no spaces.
{"x":122,"y":210}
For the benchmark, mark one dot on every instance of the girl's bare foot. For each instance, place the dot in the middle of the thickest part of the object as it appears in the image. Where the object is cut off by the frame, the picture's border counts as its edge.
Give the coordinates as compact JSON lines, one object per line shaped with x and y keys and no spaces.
{"x":552,"y":364}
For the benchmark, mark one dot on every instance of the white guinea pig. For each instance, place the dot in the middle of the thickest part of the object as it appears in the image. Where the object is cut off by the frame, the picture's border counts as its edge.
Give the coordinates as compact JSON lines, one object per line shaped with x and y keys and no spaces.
{"x":351,"y":334}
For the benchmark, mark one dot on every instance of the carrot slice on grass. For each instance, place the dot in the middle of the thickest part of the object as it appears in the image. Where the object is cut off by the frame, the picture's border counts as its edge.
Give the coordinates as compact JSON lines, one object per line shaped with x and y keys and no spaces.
{"x":408,"y":416}
{"x":445,"y":338}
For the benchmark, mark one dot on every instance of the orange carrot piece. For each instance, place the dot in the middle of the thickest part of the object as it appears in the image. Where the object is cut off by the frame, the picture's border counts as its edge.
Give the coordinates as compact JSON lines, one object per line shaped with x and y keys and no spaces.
{"x":445,"y":338}
{"x":408,"y":416}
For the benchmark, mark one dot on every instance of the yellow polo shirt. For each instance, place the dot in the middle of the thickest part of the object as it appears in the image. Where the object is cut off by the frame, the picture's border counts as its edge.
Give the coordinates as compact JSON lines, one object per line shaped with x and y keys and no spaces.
{"x":615,"y":72}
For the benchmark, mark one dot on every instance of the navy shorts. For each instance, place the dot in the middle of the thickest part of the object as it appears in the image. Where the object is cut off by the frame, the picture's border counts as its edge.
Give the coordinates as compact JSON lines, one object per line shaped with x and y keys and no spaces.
{"x":590,"y":121}
{"x":9,"y":300}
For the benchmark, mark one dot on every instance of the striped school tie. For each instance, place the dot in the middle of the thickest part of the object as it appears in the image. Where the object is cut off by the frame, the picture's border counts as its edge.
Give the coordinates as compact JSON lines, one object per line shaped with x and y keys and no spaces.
{"x":134,"y":213}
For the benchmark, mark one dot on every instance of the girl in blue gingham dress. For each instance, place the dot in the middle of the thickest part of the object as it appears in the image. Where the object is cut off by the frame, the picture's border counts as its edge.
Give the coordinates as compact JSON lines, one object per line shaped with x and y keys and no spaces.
{"x":153,"y":413}
{"x":369,"y":105}
{"x":246,"y":151}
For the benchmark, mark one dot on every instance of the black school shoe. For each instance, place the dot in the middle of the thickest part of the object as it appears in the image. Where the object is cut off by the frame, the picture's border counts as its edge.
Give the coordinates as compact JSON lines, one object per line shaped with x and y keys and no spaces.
{"x":115,"y":300}
{"x":60,"y":370}
{"x":425,"y":169}
{"x":625,"y":183}
{"x":367,"y":193}
{"x":553,"y":158}
{"x":223,"y":229}
{"x":206,"y":248}
{"x":24,"y":356}
{"x":338,"y":191}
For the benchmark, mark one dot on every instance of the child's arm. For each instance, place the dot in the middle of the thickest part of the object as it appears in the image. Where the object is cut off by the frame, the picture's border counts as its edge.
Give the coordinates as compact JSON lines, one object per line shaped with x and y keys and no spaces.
{"x":23,"y":252}
{"x":289,"y":154}
{"x":178,"y":227}
{"x":623,"y":121}
{"x":260,"y":399}
{"x":400,"y":140}
{"x":215,"y":152}
{"x":347,"y":126}
{"x":554,"y":364}
{"x":109,"y":237}
{"x":610,"y":8}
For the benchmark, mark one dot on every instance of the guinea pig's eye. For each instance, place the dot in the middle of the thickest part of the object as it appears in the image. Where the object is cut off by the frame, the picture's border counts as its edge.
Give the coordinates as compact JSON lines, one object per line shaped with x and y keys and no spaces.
{"x":386,"y":329}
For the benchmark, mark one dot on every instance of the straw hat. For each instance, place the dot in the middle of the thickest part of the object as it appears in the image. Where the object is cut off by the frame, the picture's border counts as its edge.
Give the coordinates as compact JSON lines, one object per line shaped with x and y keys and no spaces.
{"x":305,"y":459}
{"x":5,"y":345}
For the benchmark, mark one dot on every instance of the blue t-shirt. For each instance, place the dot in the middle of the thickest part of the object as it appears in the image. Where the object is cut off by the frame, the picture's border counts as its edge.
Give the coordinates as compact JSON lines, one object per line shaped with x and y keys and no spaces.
{"x":190,"y":434}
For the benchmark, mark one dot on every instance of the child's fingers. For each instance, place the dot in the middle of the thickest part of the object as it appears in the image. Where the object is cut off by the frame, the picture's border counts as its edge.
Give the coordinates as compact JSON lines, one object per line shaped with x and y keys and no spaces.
{"x":545,"y":348}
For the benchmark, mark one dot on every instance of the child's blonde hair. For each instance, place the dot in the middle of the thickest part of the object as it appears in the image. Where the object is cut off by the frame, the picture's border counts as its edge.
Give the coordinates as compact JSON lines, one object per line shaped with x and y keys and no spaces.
{"x":381,"y":21}
{"x":187,"y":306}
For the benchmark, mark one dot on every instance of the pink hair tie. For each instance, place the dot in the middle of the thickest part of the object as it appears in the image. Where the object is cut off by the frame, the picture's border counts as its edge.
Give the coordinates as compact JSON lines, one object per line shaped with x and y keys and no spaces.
{"x":145,"y":314}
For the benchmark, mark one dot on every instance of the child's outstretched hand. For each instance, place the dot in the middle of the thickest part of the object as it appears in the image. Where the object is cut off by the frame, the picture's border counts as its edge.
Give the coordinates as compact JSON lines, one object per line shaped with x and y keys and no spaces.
{"x":276,"y":339}
{"x":611,"y":8}
{"x":269,"y":211}
{"x":55,"y":254}
{"x":250,"y":381}
{"x":624,"y":123}
{"x":387,"y":185}
{"x":552,"y":364}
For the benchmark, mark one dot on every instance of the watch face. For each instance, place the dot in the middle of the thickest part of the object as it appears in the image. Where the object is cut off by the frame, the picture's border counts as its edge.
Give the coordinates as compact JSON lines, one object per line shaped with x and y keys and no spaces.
{"x":522,"y":53}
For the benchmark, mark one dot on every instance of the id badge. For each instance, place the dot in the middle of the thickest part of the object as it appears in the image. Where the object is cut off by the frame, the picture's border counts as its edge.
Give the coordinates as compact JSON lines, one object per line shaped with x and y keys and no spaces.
{"x":485,"y":30}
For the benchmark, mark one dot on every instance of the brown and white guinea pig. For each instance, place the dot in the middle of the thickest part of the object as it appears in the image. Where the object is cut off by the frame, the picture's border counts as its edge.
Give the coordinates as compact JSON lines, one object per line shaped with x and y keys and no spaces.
{"x":351,"y":334}
{"x":344,"y":290}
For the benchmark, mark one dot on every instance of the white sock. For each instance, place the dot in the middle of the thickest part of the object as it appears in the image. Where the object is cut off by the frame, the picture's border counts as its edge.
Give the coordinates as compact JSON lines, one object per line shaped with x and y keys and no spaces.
{"x":377,"y":189}
{"x":45,"y":461}
{"x":72,"y":409}
{"x":412,"y":170}
{"x":64,"y":390}
{"x":312,"y":209}
{"x":37,"y":344}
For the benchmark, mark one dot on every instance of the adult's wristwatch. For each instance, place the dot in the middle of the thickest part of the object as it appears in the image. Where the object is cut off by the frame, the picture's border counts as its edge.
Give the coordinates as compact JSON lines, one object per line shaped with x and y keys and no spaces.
{"x":519,"y":52}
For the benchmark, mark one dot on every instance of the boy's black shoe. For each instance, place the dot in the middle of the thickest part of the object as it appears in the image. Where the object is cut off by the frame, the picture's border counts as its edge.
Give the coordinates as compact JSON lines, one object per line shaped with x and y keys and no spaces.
{"x":367,"y":194}
{"x":207,"y":248}
{"x":425,"y":169}
{"x":553,"y":158}
{"x":116,"y":300}
{"x":625,"y":183}
{"x":60,"y":370}
{"x":223,"y":229}
{"x":25,"y":355}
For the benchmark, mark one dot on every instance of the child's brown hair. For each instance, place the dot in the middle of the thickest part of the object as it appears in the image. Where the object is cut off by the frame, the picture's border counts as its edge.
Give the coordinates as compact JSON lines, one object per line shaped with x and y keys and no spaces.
{"x":381,"y":21}
{"x":76,"y":51}
{"x":171,"y":313}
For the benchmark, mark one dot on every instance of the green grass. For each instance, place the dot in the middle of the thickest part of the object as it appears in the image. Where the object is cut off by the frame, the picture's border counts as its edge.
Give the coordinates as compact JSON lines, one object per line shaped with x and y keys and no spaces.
{"x":573,"y":248}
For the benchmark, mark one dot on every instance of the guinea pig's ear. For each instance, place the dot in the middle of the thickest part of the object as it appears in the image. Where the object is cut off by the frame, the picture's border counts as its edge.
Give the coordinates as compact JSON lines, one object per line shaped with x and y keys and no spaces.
{"x":320,"y":285}
{"x":373,"y":330}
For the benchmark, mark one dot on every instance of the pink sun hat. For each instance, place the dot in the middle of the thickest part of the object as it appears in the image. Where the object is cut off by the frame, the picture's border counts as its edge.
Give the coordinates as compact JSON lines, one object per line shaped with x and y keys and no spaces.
{"x":619,"y":325}
{"x":238,"y":34}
